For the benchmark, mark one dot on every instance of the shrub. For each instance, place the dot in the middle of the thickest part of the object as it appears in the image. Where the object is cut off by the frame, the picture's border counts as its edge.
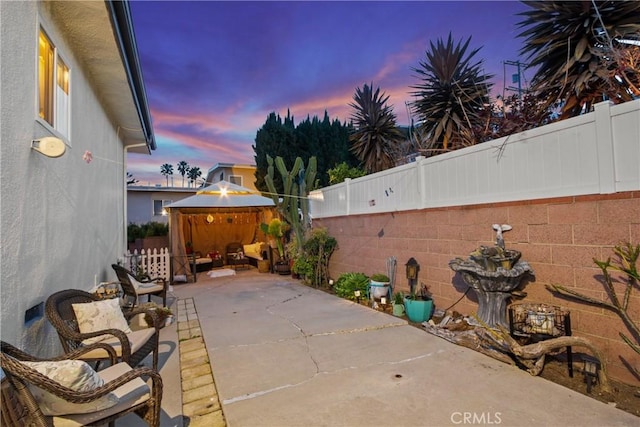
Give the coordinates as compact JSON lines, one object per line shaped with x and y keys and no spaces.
{"x":342,"y":171}
{"x":312,"y":261}
{"x":150,"y":229}
{"x":348,"y":283}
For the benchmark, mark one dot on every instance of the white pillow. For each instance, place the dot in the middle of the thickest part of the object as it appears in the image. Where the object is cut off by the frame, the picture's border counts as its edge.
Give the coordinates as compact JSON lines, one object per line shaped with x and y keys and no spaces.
{"x":253,"y":250}
{"x":99,"y":315}
{"x":76,"y":375}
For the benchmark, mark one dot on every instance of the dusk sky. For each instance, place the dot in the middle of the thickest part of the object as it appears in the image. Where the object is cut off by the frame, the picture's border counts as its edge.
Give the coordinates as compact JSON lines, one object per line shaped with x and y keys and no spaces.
{"x":214,"y":70}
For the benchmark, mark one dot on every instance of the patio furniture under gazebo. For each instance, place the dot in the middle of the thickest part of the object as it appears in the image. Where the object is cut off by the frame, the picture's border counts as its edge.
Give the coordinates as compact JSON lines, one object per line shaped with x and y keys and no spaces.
{"x":217,"y":215}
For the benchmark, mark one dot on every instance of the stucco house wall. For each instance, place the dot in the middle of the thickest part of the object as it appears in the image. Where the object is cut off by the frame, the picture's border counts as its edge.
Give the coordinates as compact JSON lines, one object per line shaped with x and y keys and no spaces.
{"x":63,"y":219}
{"x":224,"y":172}
{"x":140,"y":202}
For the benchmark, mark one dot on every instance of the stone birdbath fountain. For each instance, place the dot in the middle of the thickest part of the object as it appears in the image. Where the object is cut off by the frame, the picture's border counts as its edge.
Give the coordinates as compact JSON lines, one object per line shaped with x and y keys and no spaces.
{"x":493,"y":273}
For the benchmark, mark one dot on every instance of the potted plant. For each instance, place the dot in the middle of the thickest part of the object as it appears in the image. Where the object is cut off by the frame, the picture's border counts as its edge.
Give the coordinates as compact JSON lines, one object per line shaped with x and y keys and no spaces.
{"x":188,"y":248}
{"x":379,"y":286}
{"x":419,"y":306}
{"x":275,"y":230}
{"x":165,"y":315}
{"x":398,"y":304}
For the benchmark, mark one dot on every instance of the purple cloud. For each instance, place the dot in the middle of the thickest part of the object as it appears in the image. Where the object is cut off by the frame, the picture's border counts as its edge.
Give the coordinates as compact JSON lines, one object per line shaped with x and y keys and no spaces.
{"x":214,"y":70}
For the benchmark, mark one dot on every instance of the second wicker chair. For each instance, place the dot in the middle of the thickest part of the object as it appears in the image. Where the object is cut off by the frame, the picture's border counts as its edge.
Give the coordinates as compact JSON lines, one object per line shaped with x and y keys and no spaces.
{"x":131,"y":347}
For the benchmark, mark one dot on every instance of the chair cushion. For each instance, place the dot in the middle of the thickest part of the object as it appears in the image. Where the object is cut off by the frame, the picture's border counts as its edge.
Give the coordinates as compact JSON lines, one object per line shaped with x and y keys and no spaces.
{"x":100,"y":315}
{"x":76,"y":375}
{"x":130,"y":394}
{"x":141,"y":285}
{"x":136,"y":340}
{"x":153,"y":289}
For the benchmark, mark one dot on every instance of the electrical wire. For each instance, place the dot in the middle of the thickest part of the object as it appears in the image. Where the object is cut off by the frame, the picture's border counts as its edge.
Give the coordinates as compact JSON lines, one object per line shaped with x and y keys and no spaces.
{"x":459,"y":299}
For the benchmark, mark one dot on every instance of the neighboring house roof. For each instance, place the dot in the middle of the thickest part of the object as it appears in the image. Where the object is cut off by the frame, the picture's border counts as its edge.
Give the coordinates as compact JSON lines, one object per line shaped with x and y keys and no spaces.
{"x":231,"y":165}
{"x":112,"y":61}
{"x":154,"y":189}
{"x":223,"y":194}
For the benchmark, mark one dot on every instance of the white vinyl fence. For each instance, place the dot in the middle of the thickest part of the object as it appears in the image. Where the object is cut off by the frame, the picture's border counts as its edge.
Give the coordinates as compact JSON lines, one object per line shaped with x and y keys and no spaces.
{"x":596,"y":153}
{"x":154,"y":262}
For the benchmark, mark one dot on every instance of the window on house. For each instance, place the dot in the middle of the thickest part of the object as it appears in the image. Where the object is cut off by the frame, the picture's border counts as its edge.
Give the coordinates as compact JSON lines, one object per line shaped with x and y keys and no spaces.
{"x":221,"y":176}
{"x":235,"y":179}
{"x":158,"y":206}
{"x":54,"y":79}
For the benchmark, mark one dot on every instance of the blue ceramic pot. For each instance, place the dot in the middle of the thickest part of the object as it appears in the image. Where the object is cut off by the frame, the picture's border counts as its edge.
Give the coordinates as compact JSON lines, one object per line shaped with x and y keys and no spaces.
{"x":418,"y":310}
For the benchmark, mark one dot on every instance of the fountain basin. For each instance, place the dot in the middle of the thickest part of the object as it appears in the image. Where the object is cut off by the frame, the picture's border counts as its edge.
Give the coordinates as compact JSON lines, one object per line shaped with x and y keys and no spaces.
{"x":492,"y":282}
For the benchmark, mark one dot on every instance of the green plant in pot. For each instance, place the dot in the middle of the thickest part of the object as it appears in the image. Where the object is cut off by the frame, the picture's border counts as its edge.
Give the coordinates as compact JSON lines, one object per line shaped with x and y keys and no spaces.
{"x":163,"y":313}
{"x":419,"y":305}
{"x":275,"y":230}
{"x":379,"y":286}
{"x":398,"y":304}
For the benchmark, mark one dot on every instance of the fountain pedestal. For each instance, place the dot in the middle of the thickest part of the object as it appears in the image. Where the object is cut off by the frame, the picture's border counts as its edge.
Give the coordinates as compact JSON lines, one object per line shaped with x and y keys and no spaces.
{"x":492,"y":283}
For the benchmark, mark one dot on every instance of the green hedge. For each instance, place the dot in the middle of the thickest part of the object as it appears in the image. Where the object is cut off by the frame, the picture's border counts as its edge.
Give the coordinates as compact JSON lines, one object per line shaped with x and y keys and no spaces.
{"x":150,"y":229}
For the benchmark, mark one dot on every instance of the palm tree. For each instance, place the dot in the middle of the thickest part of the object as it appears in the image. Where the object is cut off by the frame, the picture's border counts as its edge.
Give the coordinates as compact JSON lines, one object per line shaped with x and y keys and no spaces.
{"x":193,"y":174}
{"x":452,"y":95}
{"x":166,"y":170}
{"x":376,"y":134}
{"x":183,"y":168}
{"x":576,"y":50}
{"x":130,"y":179}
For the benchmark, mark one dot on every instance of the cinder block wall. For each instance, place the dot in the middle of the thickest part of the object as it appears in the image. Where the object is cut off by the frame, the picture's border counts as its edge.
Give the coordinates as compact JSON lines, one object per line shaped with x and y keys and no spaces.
{"x":558,"y":237}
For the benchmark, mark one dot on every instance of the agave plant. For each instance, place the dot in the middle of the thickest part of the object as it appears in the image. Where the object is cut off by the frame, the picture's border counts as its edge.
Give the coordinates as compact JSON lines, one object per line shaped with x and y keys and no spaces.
{"x":451,"y":96}
{"x":576,"y":49}
{"x":375,"y":140}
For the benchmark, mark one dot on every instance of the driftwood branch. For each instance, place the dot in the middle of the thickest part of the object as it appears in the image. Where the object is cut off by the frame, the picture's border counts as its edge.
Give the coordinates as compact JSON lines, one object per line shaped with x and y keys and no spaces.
{"x":501,"y":346}
{"x":469,"y":339}
{"x":536,"y":352}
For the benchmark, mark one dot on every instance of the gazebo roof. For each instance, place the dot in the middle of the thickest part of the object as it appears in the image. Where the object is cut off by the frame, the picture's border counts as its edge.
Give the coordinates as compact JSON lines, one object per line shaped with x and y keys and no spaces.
{"x":223,"y":194}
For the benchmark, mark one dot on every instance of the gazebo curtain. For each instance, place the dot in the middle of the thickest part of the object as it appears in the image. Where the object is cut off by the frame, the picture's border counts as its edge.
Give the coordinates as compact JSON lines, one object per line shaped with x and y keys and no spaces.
{"x":212,"y":230}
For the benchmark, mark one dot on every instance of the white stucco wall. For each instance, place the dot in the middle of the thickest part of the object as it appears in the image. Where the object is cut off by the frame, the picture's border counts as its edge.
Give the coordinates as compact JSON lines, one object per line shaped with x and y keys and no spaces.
{"x":62,"y":219}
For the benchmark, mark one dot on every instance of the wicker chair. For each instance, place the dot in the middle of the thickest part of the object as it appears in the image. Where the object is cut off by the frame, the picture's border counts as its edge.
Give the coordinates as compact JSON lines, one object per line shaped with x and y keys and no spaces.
{"x":156,"y":286}
{"x":233,"y":249}
{"x":20,"y":408}
{"x":131,"y":348}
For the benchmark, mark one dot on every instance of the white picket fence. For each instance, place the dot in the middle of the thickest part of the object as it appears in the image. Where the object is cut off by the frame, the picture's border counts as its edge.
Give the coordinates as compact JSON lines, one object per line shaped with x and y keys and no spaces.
{"x":154,"y":262}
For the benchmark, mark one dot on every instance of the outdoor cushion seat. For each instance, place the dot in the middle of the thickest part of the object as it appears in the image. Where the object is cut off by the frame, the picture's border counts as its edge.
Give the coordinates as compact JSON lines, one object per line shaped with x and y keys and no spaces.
{"x":133,"y":288}
{"x":203,"y":264}
{"x":133,"y":346}
{"x":27,"y":389}
{"x":136,"y":339}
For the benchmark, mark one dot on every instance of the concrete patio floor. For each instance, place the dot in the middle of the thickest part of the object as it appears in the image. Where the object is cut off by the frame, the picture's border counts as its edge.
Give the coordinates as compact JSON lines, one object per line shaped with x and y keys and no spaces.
{"x":283,"y":354}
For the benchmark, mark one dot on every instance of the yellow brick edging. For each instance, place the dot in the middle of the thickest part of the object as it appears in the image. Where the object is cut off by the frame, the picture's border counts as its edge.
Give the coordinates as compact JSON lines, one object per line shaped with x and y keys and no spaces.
{"x":200,"y":402}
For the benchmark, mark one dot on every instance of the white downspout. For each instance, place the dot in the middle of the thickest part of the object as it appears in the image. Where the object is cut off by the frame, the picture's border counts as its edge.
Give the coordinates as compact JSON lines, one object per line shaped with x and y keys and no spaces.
{"x":124,"y":181}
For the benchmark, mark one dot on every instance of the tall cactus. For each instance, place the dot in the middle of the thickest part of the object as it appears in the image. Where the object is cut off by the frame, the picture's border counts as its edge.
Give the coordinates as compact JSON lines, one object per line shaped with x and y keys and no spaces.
{"x":296,"y":186}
